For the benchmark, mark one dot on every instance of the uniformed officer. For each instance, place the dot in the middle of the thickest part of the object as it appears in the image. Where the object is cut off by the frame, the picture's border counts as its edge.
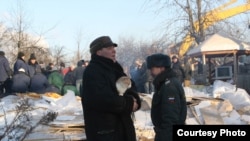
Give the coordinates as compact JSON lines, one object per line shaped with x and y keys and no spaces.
{"x":169,"y":102}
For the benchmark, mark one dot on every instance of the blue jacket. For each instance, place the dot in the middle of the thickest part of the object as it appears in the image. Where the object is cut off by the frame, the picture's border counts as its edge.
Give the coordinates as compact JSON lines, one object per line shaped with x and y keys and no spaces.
{"x":20,"y":64}
{"x":5,"y":71}
{"x":39,"y":83}
{"x":21,"y":82}
{"x":33,"y":68}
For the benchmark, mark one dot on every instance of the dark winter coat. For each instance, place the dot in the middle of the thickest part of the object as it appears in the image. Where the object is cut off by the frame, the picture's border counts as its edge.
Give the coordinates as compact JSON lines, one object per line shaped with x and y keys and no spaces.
{"x":33,"y":68}
{"x":69,"y":78}
{"x":5,"y":71}
{"x":78,"y":71}
{"x":39,"y":83}
{"x":20,"y":82}
{"x":107,"y":115}
{"x":20,"y":63}
{"x":168,"y":105}
{"x":179,"y":71}
{"x":139,"y":78}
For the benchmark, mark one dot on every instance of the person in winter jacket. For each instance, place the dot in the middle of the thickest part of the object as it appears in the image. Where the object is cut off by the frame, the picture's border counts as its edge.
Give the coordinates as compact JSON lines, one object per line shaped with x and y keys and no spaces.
{"x":169,"y":101}
{"x":178,"y":69}
{"x":69,"y":82}
{"x":107,"y":115}
{"x":33,"y":65}
{"x":56,"y":80}
{"x":39,"y":82}
{"x":20,"y":63}
{"x":5,"y":73}
{"x":78,"y":73}
{"x":20,"y":82}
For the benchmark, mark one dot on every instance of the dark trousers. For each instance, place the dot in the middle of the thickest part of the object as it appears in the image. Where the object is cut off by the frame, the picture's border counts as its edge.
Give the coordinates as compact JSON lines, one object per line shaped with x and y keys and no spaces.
{"x":5,"y":87}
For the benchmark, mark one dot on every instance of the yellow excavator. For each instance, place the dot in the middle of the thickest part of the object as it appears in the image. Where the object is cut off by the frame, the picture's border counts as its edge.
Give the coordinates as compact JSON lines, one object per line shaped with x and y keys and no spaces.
{"x":213,"y":16}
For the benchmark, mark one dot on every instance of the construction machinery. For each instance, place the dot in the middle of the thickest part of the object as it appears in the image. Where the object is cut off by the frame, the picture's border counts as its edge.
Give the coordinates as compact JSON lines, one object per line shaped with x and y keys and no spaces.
{"x":210,"y":18}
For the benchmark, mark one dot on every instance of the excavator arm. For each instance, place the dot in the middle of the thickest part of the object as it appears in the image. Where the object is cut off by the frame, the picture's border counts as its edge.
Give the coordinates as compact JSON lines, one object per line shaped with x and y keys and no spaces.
{"x":211,"y":18}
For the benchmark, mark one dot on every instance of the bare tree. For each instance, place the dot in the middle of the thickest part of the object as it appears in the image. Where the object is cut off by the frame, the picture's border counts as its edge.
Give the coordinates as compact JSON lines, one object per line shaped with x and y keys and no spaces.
{"x":58,"y":55}
{"x":198,"y":18}
{"x":19,"y":36}
{"x":78,"y":54}
{"x":136,"y":50}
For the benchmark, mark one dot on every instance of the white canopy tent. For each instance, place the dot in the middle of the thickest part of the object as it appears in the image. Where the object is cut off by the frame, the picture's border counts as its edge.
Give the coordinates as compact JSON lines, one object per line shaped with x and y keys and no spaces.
{"x":220,"y":45}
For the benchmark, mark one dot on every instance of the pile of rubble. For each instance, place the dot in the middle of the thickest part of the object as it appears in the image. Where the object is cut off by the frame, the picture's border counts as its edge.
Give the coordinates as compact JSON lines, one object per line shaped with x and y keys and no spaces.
{"x":223,"y":104}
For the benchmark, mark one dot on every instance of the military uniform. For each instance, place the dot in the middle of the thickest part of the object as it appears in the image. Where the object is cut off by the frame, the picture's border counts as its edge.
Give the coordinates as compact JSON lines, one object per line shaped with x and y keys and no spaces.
{"x":169,"y":102}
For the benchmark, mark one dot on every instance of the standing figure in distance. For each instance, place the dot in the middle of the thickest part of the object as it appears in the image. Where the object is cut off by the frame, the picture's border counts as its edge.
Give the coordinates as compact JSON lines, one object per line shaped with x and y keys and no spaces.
{"x":177,"y":68}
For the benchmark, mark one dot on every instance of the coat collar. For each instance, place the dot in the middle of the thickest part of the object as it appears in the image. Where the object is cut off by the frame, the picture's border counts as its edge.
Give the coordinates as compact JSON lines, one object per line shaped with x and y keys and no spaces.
{"x":162,"y":77}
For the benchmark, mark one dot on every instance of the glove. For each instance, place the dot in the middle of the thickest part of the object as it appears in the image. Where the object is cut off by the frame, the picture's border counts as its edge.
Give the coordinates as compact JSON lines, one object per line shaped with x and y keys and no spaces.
{"x":135,"y":95}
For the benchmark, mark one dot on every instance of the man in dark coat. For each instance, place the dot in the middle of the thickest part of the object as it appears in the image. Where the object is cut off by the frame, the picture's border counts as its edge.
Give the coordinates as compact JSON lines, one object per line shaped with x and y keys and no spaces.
{"x":39,"y":82}
{"x":20,"y":63}
{"x":169,"y":101}
{"x":21,"y":82}
{"x":5,"y":73}
{"x":178,"y":69}
{"x":78,"y":73}
{"x":33,"y":65}
{"x":107,"y":115}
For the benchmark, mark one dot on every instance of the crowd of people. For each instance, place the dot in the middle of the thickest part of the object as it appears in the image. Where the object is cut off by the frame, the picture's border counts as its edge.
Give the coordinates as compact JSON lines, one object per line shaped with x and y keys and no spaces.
{"x":143,"y":78}
{"x":107,"y":115}
{"x":30,"y":76}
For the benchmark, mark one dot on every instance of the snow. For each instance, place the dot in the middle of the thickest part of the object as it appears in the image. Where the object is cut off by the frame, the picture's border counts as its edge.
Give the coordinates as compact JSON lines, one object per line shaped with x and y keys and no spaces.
{"x":230,"y":106}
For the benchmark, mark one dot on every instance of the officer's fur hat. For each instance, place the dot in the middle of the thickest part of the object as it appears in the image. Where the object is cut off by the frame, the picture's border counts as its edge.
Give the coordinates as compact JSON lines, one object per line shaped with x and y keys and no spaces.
{"x":158,"y":60}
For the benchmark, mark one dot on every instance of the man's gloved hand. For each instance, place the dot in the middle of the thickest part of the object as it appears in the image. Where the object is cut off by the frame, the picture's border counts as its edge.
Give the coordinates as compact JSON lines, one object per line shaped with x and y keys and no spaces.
{"x":135,"y":95}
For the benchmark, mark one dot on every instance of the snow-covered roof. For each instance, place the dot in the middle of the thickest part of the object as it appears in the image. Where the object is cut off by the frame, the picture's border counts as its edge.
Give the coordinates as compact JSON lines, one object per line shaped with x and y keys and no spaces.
{"x":219,"y":42}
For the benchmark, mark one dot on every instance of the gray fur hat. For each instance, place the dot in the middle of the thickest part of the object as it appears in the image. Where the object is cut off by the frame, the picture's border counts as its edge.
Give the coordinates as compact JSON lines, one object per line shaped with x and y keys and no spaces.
{"x":158,"y":60}
{"x":101,"y":42}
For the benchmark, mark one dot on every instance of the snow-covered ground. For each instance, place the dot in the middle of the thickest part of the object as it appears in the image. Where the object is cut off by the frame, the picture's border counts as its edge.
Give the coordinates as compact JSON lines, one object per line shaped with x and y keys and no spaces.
{"x":221,"y":103}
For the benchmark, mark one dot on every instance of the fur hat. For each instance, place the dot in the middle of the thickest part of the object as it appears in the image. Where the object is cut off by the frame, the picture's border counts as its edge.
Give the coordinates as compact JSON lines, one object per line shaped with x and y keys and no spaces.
{"x":158,"y":60}
{"x":101,"y":42}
